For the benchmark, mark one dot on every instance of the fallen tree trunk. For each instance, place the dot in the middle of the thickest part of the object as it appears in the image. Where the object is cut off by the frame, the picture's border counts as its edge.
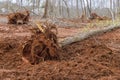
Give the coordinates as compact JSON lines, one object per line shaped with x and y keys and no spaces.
{"x":60,"y":23}
{"x":80,"y":37}
{"x":10,"y":71}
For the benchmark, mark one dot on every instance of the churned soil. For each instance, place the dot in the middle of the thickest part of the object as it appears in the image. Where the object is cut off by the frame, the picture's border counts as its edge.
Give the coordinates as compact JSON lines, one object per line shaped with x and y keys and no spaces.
{"x":96,"y":58}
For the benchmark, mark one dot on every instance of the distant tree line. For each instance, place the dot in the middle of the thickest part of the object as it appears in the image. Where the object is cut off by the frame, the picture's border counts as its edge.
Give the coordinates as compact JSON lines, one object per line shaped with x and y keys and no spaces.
{"x":66,"y":8}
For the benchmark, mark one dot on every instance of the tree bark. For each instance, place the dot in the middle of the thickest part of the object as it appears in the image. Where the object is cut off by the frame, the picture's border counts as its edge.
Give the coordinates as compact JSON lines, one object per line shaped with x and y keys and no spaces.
{"x":80,"y":37}
{"x":67,"y":8}
{"x":77,"y":6}
{"x":46,"y":10}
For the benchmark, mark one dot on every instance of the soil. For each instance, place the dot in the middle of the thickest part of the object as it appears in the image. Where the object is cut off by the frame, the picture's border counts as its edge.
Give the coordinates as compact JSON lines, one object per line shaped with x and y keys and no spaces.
{"x":96,"y":58}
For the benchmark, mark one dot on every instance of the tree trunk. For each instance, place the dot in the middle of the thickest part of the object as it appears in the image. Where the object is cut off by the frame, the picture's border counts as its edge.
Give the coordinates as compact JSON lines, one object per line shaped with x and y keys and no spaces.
{"x":38,"y":5}
{"x":77,"y":6}
{"x":67,"y":8}
{"x":46,"y":10}
{"x":33,"y":5}
{"x":88,"y":7}
{"x":80,"y":37}
{"x":85,"y":11}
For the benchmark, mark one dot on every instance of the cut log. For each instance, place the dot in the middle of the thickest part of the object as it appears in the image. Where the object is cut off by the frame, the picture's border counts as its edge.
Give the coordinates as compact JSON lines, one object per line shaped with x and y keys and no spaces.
{"x":80,"y":37}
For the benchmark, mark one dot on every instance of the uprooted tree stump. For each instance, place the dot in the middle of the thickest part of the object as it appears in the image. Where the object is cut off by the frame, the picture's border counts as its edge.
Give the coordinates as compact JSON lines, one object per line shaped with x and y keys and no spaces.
{"x":94,"y":16}
{"x":42,"y":46}
{"x":19,"y":17}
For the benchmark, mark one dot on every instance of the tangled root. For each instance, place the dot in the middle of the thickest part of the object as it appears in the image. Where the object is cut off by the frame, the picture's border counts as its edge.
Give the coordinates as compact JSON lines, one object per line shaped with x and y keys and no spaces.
{"x":19,"y":17}
{"x":42,"y":46}
{"x":95,"y":16}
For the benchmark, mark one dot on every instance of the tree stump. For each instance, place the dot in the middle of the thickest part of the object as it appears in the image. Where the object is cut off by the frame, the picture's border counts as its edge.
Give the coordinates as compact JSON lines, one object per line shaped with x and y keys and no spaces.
{"x":19,"y":17}
{"x":42,"y":46}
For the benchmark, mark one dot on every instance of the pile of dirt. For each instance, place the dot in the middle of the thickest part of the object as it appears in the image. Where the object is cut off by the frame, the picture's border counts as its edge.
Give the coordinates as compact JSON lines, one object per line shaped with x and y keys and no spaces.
{"x":19,"y":17}
{"x":96,"y":58}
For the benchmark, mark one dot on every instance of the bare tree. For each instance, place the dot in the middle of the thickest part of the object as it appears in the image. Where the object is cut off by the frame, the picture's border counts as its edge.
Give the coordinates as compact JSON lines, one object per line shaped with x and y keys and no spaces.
{"x":46,"y":10}
{"x":77,"y":6}
{"x":65,"y":2}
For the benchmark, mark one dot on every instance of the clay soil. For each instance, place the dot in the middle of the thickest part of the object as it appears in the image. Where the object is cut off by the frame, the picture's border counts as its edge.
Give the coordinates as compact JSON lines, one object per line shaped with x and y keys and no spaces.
{"x":96,"y":58}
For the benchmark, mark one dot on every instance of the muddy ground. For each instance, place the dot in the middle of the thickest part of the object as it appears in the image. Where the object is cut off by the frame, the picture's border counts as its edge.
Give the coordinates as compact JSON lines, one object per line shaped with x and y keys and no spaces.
{"x":96,"y":58}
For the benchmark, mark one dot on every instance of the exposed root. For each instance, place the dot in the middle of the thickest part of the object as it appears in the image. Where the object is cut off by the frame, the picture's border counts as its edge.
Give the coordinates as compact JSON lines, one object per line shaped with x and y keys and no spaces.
{"x":42,"y":46}
{"x":94,"y":16}
{"x":19,"y":17}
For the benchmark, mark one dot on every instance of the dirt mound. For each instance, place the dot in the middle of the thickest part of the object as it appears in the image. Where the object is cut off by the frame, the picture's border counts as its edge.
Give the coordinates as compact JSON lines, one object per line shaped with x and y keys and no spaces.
{"x":96,"y":58}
